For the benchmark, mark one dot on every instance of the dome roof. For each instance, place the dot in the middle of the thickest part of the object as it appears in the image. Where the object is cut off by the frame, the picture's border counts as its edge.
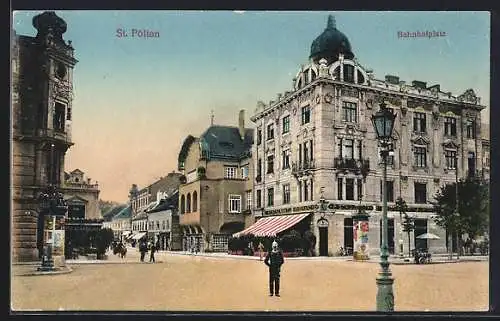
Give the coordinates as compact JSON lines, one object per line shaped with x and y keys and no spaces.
{"x":330,"y":43}
{"x":49,"y":23}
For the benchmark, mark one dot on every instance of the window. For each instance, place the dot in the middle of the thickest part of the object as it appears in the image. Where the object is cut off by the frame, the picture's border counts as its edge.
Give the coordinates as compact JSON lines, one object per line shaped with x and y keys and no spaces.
{"x":340,"y":186}
{"x":420,"y":193}
{"x":390,"y":158}
{"x":270,"y":196}
{"x":471,"y":164}
{"x":68,"y":117}
{"x":349,"y":112}
{"x":419,"y":123}
{"x":270,"y":164}
{"x":360,"y":149}
{"x":163,"y":226}
{"x":234,"y":203}
{"x":286,"y":194}
{"x":286,"y":124}
{"x":349,"y":148}
{"x":471,"y":129}
{"x":286,"y":159}
{"x":195,"y":201}
{"x":306,"y":191}
{"x":360,"y":189}
{"x":390,"y":191}
{"x":244,"y":172}
{"x":306,"y":153}
{"x":249,"y":200}
{"x":311,"y":189}
{"x":59,"y":111}
{"x":183,"y":204}
{"x":420,"y":157}
{"x":339,"y":146}
{"x":349,"y":189}
{"x":299,"y":187}
{"x":259,"y":136}
{"x":270,"y":131}
{"x":451,"y":159}
{"x":188,"y":203}
{"x":450,"y":126}
{"x":259,"y":167}
{"x":259,"y":198}
{"x":348,"y":73}
{"x":306,"y":115}
{"x":230,"y":172}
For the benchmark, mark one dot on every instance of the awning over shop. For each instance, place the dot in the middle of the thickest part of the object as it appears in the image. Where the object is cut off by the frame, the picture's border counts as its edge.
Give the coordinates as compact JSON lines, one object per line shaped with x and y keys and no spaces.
{"x":270,"y":226}
{"x":125,"y":233}
{"x":138,"y":236}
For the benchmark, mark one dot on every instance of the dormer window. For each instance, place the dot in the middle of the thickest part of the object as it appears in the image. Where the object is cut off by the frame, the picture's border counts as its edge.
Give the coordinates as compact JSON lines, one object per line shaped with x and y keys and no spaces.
{"x":348,"y":73}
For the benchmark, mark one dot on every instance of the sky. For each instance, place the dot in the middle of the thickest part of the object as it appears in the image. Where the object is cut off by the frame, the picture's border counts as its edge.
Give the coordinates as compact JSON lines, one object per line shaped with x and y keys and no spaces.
{"x":136,"y":99}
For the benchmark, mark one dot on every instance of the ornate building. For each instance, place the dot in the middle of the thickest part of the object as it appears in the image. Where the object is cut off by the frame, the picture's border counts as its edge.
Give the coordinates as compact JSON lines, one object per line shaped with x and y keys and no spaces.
{"x":42,"y":94}
{"x":82,"y":196}
{"x":319,"y":137}
{"x":215,"y":197}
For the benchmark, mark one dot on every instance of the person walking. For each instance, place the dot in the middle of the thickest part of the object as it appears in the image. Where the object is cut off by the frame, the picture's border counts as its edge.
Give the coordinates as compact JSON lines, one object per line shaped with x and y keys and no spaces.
{"x":152,"y":255}
{"x":143,"y":248}
{"x":274,"y":260}
{"x":260,"y":247}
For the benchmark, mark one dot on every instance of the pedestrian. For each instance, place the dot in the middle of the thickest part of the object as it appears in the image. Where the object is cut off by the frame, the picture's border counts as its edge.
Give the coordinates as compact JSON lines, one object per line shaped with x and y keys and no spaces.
{"x":274,"y":260}
{"x":143,"y":248}
{"x":158,"y":245}
{"x":152,"y":253}
{"x":260,"y":247}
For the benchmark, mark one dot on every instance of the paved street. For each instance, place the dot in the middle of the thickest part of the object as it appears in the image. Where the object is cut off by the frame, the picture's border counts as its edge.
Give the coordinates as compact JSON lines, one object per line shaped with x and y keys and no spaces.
{"x":196,"y":283}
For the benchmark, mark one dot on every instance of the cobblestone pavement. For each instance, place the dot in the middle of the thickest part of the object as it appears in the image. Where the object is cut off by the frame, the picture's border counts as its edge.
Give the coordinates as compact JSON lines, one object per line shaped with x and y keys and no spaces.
{"x":198,"y":283}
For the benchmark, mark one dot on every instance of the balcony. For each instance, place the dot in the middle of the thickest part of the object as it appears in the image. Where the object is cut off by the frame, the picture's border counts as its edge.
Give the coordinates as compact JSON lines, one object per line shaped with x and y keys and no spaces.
{"x":300,"y":169}
{"x":359,"y":166}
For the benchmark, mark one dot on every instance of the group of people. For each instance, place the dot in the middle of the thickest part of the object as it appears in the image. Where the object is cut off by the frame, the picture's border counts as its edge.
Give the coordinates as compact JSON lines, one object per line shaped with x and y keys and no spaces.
{"x":119,"y":249}
{"x":144,"y":247}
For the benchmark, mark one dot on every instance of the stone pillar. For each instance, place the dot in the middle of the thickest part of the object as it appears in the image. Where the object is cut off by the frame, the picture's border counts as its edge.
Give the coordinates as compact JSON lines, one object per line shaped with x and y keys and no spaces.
{"x":24,"y":235}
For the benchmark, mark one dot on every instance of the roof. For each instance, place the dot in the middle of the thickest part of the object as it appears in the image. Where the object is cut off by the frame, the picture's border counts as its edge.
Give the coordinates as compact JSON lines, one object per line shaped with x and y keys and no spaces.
{"x":124,"y":213}
{"x":224,"y":142}
{"x":330,"y":43}
{"x":76,"y":171}
{"x":170,"y":202}
{"x":112,"y":212}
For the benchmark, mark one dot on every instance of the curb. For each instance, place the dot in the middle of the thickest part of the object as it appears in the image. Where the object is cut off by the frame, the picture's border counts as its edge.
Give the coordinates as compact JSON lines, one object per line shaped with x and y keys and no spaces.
{"x":64,"y":270}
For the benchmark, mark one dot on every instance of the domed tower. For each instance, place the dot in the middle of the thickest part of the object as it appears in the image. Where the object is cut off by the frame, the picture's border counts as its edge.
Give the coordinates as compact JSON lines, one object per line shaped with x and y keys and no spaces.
{"x":330,"y":43}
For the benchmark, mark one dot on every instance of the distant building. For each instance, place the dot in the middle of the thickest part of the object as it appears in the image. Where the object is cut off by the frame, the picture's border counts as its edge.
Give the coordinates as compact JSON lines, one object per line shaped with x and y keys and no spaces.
{"x":121,"y":224}
{"x":81,"y":195}
{"x":215,"y":197}
{"x":42,"y":95}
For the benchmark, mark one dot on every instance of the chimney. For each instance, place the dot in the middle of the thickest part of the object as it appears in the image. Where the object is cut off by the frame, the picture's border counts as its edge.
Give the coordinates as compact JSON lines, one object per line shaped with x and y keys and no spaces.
{"x":241,"y":124}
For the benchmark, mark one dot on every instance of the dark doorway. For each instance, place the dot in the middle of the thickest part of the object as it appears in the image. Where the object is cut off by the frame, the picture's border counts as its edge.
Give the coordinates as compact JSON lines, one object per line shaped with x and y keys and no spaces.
{"x":348,"y":234}
{"x":323,"y":241}
{"x":76,"y":211}
{"x":420,"y":228}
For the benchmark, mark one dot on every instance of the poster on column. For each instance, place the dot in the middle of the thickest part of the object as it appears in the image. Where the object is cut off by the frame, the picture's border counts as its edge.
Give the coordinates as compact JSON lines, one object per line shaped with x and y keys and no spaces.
{"x":361,"y":247}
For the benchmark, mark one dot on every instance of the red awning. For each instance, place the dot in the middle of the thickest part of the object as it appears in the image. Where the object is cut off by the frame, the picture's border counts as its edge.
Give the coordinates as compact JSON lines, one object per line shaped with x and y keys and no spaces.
{"x":272,"y":225}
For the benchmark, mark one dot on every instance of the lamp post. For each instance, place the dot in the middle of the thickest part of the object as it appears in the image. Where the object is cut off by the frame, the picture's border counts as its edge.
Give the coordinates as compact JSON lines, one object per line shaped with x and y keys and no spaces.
{"x":383,"y":122}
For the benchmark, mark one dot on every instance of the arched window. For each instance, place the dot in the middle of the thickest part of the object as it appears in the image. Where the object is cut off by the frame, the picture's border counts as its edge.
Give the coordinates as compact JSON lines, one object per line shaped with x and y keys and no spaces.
{"x":183,"y":204}
{"x":195,"y":201}
{"x":348,"y":73}
{"x":188,"y":203}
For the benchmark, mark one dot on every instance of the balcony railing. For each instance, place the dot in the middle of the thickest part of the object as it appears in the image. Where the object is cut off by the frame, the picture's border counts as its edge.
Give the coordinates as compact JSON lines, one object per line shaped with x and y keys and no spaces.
{"x":350,"y":164}
{"x":303,"y":167}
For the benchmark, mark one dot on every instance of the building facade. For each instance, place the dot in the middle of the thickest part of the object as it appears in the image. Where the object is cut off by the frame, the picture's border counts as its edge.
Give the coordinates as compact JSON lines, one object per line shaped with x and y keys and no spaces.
{"x":215,"y":197}
{"x":81,"y":195}
{"x":318,"y":139}
{"x":42,"y":94}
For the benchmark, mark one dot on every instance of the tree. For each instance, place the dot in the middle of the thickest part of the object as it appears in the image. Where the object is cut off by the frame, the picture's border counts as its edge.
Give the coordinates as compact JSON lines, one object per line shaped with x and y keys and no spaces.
{"x":473,"y":208}
{"x":103,"y":239}
{"x":408,"y":223}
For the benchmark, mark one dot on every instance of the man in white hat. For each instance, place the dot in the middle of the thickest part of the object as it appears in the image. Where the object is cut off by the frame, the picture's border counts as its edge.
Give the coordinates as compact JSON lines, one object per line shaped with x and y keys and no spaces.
{"x":274,"y":260}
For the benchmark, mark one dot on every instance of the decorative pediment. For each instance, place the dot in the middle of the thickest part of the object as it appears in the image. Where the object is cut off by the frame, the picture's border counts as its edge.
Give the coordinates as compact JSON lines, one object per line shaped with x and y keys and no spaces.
{"x":468,"y":96}
{"x":420,"y":140}
{"x":449,"y":144}
{"x":76,"y":200}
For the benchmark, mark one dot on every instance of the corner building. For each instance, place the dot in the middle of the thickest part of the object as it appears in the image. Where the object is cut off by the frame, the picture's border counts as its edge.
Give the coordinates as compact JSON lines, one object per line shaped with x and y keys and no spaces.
{"x":318,"y":139}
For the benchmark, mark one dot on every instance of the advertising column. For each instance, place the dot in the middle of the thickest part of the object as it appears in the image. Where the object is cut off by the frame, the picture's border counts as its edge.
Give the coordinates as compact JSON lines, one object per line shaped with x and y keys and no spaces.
{"x":360,"y":237}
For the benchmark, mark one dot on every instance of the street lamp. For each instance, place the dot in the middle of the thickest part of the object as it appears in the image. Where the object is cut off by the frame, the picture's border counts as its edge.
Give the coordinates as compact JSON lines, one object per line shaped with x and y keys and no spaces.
{"x":51,"y":203}
{"x":383,"y":122}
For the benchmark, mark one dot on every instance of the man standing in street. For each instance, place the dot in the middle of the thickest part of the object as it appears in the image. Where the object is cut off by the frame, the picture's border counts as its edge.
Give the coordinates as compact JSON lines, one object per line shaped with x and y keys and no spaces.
{"x":143,"y":248}
{"x":274,"y":260}
{"x":152,"y":255}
